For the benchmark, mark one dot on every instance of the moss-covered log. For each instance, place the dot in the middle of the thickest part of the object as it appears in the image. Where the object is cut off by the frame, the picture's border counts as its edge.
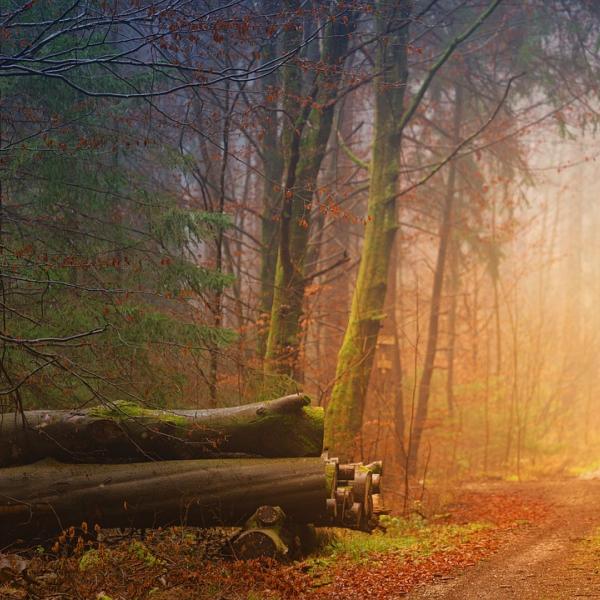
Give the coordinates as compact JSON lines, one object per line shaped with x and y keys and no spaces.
{"x":125,"y":432}
{"x":37,"y":501}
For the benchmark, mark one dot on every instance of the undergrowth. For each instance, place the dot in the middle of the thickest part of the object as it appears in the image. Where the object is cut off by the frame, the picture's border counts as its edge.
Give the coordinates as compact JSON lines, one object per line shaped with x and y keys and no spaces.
{"x":413,"y":536}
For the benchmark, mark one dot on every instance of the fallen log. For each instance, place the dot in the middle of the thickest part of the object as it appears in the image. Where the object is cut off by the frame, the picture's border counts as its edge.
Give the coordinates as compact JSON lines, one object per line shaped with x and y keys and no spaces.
{"x":42,"y":499}
{"x":125,"y":432}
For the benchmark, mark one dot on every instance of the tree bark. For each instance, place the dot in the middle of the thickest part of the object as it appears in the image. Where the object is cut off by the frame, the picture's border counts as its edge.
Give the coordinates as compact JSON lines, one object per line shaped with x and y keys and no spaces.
{"x":355,"y":359}
{"x":40,"y":500}
{"x":310,"y":136}
{"x":271,"y":149}
{"x":125,"y":432}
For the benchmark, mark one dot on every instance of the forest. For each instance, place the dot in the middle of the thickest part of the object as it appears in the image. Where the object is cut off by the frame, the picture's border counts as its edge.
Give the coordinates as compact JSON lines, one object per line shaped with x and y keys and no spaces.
{"x":299,"y":299}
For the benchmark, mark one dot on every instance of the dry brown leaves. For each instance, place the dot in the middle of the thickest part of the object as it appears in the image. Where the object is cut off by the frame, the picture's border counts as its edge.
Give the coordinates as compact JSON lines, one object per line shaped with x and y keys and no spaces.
{"x":172,"y":567}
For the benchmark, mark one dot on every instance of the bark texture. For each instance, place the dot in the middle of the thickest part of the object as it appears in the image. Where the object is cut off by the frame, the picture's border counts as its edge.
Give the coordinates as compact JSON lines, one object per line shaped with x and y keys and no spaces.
{"x":307,"y":146}
{"x":355,"y":360}
{"x":272,"y":159}
{"x":40,"y":500}
{"x":125,"y":432}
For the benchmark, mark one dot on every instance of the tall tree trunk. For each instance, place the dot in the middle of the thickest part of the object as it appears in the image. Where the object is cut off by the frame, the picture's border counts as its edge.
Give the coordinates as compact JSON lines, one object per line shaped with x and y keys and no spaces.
{"x":446,"y":228}
{"x":495,"y":275}
{"x":307,"y":148}
{"x":453,"y":275}
{"x":217,"y":305}
{"x":355,"y":360}
{"x":271,"y":196}
{"x":397,"y":372}
{"x":453,"y":287}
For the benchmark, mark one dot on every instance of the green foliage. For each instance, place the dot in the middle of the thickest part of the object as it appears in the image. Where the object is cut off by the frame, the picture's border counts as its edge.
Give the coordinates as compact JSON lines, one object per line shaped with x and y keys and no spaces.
{"x":180,"y":227}
{"x":96,"y":238}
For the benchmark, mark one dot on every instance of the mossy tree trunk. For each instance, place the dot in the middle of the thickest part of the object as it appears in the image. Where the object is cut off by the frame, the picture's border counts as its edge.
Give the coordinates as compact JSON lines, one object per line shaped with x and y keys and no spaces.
{"x":355,"y":360}
{"x":126,"y":433}
{"x":309,"y":137}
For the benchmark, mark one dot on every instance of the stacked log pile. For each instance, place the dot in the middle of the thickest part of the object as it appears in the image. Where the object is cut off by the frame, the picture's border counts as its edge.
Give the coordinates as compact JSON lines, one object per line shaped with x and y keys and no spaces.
{"x":356,"y":497}
{"x":264,"y":456}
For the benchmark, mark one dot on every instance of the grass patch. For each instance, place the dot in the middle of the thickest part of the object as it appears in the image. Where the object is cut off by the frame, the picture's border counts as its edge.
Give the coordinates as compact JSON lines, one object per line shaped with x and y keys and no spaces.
{"x":413,"y":537}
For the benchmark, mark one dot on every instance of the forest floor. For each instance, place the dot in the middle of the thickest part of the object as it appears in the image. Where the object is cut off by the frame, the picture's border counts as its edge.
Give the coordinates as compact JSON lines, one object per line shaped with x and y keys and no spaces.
{"x":494,"y":540}
{"x":556,"y":558}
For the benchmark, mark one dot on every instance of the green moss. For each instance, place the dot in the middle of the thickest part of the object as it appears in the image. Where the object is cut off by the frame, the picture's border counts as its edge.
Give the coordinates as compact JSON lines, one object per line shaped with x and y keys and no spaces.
{"x":142,"y":553}
{"x":355,"y":359}
{"x":315,"y":413}
{"x":330,"y":470}
{"x":296,"y":434}
{"x":90,"y":560}
{"x":124,"y":409}
{"x":308,"y":429}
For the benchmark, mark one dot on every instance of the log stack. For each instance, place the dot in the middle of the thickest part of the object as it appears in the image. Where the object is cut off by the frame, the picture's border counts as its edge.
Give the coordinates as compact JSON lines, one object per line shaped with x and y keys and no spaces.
{"x":233,"y":467}
{"x":355,"y":501}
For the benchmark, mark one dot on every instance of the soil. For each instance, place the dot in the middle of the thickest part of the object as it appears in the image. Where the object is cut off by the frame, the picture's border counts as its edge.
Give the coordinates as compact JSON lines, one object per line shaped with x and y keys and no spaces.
{"x":548,"y":561}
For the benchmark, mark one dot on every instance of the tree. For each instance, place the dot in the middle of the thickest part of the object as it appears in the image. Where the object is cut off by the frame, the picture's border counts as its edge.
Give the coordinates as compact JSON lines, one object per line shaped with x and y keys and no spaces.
{"x":100,"y":263}
{"x":356,"y":355}
{"x":307,"y":137}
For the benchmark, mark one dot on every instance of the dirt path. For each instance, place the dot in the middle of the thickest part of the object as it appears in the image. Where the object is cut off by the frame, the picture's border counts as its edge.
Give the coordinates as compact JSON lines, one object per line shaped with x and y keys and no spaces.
{"x":545,"y":562}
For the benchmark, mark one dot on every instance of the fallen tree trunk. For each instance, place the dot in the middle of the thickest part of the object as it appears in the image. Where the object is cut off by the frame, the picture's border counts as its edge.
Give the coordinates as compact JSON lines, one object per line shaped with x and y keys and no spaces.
{"x":125,"y":432}
{"x":39,"y":501}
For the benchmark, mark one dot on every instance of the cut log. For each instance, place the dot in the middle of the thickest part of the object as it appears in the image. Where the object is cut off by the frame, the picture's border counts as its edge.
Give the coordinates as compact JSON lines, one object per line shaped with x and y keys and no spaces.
{"x":270,"y":533}
{"x":125,"y":432}
{"x":257,"y":543}
{"x":40,"y":500}
{"x":265,"y":534}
